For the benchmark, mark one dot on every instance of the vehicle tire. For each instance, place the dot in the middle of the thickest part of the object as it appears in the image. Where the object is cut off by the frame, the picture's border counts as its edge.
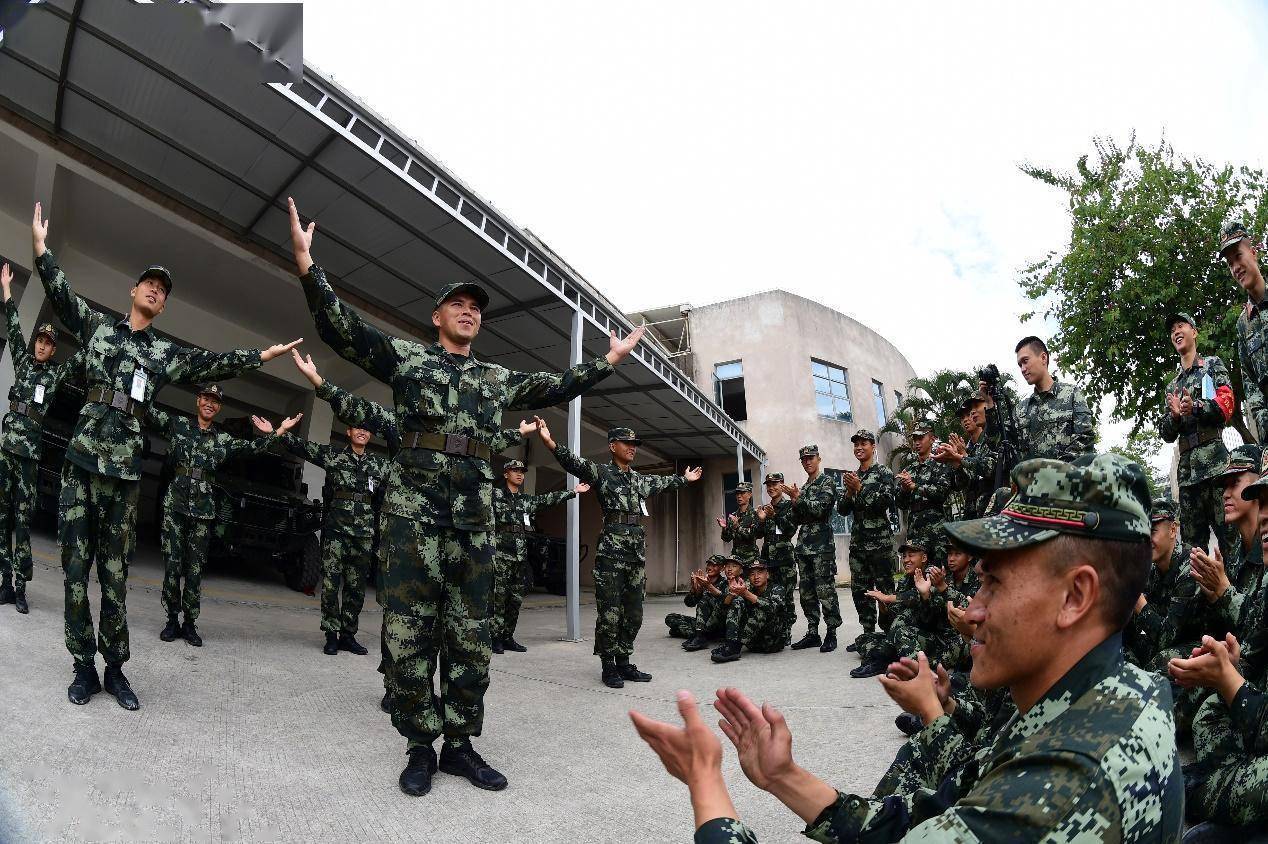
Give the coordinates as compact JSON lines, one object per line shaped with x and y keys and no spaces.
{"x":305,"y":571}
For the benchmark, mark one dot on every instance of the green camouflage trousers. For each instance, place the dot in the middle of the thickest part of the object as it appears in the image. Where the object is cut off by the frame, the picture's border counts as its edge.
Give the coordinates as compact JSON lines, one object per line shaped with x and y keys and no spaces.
{"x":618,"y":592}
{"x":785,"y":577}
{"x":710,"y":619}
{"x":17,"y":491}
{"x":902,"y":639}
{"x":1236,"y":792}
{"x":870,"y":569}
{"x":508,"y":595}
{"x":345,"y":565}
{"x":184,"y":554}
{"x":436,"y":587}
{"x":759,"y":630}
{"x":1202,"y":511}
{"x":818,"y":573}
{"x":96,"y":518}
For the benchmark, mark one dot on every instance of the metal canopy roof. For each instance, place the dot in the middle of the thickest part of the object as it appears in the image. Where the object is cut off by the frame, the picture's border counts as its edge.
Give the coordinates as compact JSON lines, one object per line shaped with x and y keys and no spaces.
{"x":137,"y":87}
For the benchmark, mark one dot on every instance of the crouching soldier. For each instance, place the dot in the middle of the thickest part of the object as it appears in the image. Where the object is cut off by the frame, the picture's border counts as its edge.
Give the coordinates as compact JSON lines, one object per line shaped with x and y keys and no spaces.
{"x":754,"y":616}
{"x":705,"y":596}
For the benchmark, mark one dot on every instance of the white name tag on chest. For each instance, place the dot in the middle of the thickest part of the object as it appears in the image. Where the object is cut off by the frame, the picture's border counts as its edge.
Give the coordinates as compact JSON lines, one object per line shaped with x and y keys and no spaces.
{"x":139,"y":380}
{"x":642,"y":505}
{"x":371,"y":484}
{"x":39,"y":394}
{"x":527,"y":522}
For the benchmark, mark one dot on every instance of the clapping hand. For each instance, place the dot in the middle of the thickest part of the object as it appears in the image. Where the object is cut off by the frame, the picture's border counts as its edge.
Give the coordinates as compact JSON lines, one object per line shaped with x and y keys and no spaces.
{"x":904,"y":478}
{"x":690,"y":752}
{"x":959,"y":620}
{"x":1214,"y":665}
{"x":923,"y":586}
{"x":878,"y":595}
{"x":693,"y":475}
{"x":852,"y":482}
{"x":721,"y":522}
{"x":937,"y":576}
{"x":918,"y":689}
{"x":1209,"y":573}
{"x":581,"y":488}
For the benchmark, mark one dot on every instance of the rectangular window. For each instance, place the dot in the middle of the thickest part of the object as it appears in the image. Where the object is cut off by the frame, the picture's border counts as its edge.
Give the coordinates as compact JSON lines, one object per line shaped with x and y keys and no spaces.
{"x":728,"y":490}
{"x":728,"y":386}
{"x":878,"y":396}
{"x":832,"y":391}
{"x":840,"y":524}
{"x":898,"y":399}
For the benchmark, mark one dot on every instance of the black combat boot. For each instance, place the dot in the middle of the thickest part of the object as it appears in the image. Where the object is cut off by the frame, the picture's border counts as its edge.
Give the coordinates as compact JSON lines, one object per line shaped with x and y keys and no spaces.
{"x":810,"y":640}
{"x":416,"y":778}
{"x":349,"y":643}
{"x":611,"y":677}
{"x":172,"y":630}
{"x":117,"y":685}
{"x":728,"y":651}
{"x":497,"y":646}
{"x":869,"y":669}
{"x":190,"y":632}
{"x":19,"y":599}
{"x":909,"y":724}
{"x":853,"y":647}
{"x":630,"y":672}
{"x":332,"y":644}
{"x":461,"y":760}
{"x":829,"y":641}
{"x":84,"y":686}
{"x":510,"y":644}
{"x":696,"y":643}
{"x":6,"y":590}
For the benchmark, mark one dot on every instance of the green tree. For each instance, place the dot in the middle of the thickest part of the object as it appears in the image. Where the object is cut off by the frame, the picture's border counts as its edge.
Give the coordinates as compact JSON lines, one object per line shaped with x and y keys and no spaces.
{"x":1143,"y":446}
{"x":1144,"y":225}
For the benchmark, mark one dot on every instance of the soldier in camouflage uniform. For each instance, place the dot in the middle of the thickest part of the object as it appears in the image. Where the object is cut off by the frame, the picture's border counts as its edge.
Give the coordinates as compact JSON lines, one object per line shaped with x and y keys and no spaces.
{"x":124,"y":363}
{"x":705,"y":597}
{"x":436,"y":543}
{"x":35,"y":383}
{"x":816,"y":550}
{"x":778,"y":527}
{"x":754,"y":616}
{"x":513,"y":514}
{"x":869,"y":494}
{"x":742,"y":528}
{"x":1143,"y":635}
{"x":1055,"y":420}
{"x":972,"y":461}
{"x":620,"y":576}
{"x":195,"y":449}
{"x":902,"y":606}
{"x":1199,"y":404}
{"x":1241,"y":253}
{"x":922,"y":492}
{"x":1089,"y":757}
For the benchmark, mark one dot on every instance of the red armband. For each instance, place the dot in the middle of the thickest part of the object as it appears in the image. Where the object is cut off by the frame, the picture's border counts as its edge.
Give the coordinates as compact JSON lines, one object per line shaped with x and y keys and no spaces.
{"x":1224,"y":398}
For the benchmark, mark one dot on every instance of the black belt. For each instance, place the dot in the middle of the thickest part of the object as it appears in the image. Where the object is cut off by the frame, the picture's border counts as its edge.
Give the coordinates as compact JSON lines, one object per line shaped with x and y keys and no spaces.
{"x":118,"y":400}
{"x":349,"y":495}
{"x":195,"y":474}
{"x":622,"y":519}
{"x":512,"y":528}
{"x":459,"y":444}
{"x":1188,"y":442}
{"x":23,"y":408}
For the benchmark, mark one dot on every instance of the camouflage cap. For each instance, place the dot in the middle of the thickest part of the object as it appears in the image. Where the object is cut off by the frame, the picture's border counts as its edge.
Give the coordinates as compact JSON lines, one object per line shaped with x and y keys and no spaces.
{"x":212,"y":390}
{"x":1105,"y":498}
{"x":968,"y":404}
{"x":450,"y":290}
{"x":757,"y":563}
{"x":1233,"y":232}
{"x":744,"y":486}
{"x":1245,"y":458}
{"x":513,"y":465}
{"x":774,"y":477}
{"x":1163,"y":510}
{"x":1252,"y":491}
{"x":808,"y":451}
{"x":47,"y":330}
{"x":913,"y":545}
{"x":715,"y":560}
{"x":623,"y":435}
{"x":918,"y":428}
{"x":159,"y":273}
{"x":863,"y":434}
{"x":1179,"y":316}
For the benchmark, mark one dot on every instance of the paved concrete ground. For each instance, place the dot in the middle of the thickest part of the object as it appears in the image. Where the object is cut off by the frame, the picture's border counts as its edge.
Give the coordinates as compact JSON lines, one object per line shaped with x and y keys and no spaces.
{"x":259,"y":736}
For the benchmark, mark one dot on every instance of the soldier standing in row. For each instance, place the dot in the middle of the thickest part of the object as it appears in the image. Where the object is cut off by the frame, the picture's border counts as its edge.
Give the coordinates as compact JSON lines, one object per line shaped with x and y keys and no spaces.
{"x":778,"y":527}
{"x":816,"y":550}
{"x":1055,"y":420}
{"x":1241,"y":253}
{"x":34,"y":385}
{"x":436,"y":541}
{"x":1199,"y":405}
{"x":513,"y":513}
{"x":869,"y":494}
{"x":124,"y":363}
{"x":195,"y":449}
{"x":922,"y":493}
{"x":620,"y":574}
{"x":742,"y":528}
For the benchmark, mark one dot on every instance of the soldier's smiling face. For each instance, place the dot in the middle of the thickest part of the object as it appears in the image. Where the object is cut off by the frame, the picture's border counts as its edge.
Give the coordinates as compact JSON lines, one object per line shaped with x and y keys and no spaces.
{"x":1236,"y":509}
{"x":208,"y":407}
{"x":458,"y":318}
{"x":44,"y":349}
{"x":360,"y":436}
{"x":149,"y":297}
{"x":711,"y":569}
{"x":1162,"y":539}
{"x":1243,"y":262}
{"x":810,"y":463}
{"x":863,"y":450}
{"x":913,"y":559}
{"x":1183,"y":336}
{"x":773,"y":492}
{"x":1015,"y":611}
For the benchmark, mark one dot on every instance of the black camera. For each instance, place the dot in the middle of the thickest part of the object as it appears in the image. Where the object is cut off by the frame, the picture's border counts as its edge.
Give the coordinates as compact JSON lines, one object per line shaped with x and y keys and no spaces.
{"x":989,"y":374}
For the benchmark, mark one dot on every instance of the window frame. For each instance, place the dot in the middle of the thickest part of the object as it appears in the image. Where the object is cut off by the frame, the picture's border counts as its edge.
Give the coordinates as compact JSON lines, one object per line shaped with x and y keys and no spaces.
{"x":831,"y":396}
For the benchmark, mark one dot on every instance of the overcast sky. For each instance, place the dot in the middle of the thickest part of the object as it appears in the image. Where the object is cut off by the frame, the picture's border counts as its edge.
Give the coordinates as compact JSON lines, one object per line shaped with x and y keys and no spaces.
{"x":861,"y":155}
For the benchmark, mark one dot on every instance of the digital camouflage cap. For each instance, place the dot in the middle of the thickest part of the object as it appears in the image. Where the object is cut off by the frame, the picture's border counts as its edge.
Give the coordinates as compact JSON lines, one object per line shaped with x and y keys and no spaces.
{"x":913,"y":545}
{"x":757,"y":563}
{"x":47,"y":330}
{"x":715,"y":560}
{"x":1245,"y":458}
{"x":513,"y":465}
{"x":1252,"y":491}
{"x":623,"y":435}
{"x":1233,"y":232}
{"x":774,"y":477}
{"x":450,"y":290}
{"x":1106,"y":497}
{"x":159,"y":273}
{"x":212,"y":390}
{"x":744,"y":486}
{"x":808,"y":451}
{"x":863,"y":434}
{"x":919,"y":428}
{"x":1163,"y":510}
{"x":1180,"y":316}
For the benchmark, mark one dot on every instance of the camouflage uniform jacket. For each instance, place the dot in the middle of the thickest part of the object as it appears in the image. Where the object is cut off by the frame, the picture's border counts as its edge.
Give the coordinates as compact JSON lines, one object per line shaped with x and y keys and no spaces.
{"x":620,"y":491}
{"x":871,"y":529}
{"x":435,"y":393}
{"x":1252,"y":353}
{"x":192,"y":447}
{"x":908,"y":606}
{"x":107,"y":441}
{"x":1056,"y":424}
{"x":935,"y":609}
{"x":1205,"y":461}
{"x":975,"y":476}
{"x":777,"y":532}
{"x":724,"y":831}
{"x":31,"y":380}
{"x":346,"y":475}
{"x":1146,"y":629}
{"x":744,"y":535}
{"x":1248,"y":712}
{"x":1244,"y":582}
{"x":706,"y":598}
{"x":517,"y":508}
{"x":813,"y":513}
{"x":1094,"y":759}
{"x":1190,"y":616}
{"x":925,"y":501}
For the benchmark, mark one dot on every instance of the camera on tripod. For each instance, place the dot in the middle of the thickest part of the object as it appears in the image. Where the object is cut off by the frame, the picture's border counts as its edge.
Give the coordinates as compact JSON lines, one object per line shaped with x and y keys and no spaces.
{"x":989,"y":374}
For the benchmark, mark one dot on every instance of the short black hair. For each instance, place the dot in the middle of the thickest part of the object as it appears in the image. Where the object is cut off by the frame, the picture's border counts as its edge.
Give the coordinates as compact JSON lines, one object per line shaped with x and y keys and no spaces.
{"x":1032,"y":340}
{"x":1122,"y":567}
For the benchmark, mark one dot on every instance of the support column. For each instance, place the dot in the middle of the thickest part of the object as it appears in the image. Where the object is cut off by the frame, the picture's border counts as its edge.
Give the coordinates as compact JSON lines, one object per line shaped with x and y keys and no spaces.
{"x":319,"y":417}
{"x":31,"y":299}
{"x":573,"y":578}
{"x":759,"y":485}
{"x":739,"y":463}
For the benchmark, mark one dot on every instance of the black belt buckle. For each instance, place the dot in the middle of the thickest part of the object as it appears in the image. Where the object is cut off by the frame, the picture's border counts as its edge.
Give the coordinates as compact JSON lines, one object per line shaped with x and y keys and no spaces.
{"x":457,"y":444}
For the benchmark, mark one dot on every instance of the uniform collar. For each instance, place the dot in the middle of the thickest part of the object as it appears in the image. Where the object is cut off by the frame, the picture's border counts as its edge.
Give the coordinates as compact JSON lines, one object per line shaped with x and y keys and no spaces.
{"x":147,"y":332}
{"x":1097,"y":664}
{"x":445,"y":354}
{"x":1198,"y":363}
{"x":1051,"y":391}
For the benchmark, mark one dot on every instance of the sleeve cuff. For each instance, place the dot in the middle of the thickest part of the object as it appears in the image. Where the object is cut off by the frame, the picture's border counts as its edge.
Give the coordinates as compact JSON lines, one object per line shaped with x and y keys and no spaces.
{"x":601,"y":363}
{"x":46,"y":264}
{"x":326,"y":391}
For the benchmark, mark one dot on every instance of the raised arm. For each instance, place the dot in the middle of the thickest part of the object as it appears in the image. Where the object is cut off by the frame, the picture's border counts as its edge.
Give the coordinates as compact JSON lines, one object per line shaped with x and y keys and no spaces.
{"x":13,"y":329}
{"x":574,"y":464}
{"x":314,"y":453}
{"x":72,"y":310}
{"x":160,"y":421}
{"x":548,"y":499}
{"x":528,"y":390}
{"x":504,"y":439}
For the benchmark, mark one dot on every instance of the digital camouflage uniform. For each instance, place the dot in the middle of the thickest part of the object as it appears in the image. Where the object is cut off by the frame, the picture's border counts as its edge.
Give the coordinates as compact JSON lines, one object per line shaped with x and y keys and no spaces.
{"x":1252,"y":343}
{"x":348,"y":526}
{"x":436,"y":543}
{"x":34,"y":387}
{"x":189,"y":505}
{"x":1203,"y":455}
{"x":100,"y":478}
{"x":743,"y":535}
{"x":816,"y":551}
{"x":709,"y":619}
{"x":777,"y":533}
{"x":760,"y":626}
{"x":871,"y":539}
{"x":1056,"y":424}
{"x":975,"y":476}
{"x":620,"y":563}
{"x":1144,"y":634}
{"x":925,"y":504}
{"x":898,"y":614}
{"x":513,"y":513}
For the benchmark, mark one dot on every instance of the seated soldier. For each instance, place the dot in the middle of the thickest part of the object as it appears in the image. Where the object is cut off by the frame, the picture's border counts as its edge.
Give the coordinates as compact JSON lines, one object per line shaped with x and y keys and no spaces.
{"x":880,"y":648}
{"x":754,"y":617}
{"x":1142,"y":635}
{"x":705,"y":595}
